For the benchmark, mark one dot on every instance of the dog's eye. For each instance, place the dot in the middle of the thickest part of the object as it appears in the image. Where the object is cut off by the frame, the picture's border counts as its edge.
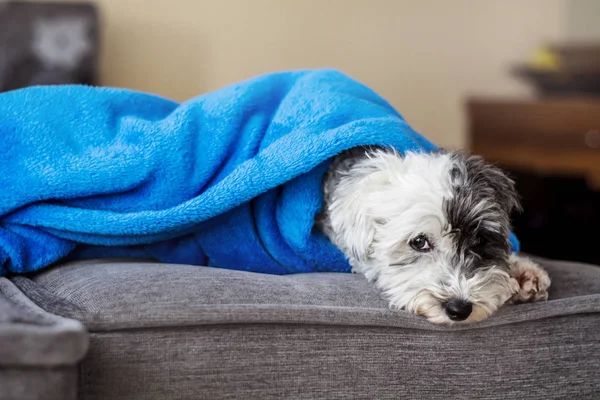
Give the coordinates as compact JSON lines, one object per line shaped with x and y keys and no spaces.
{"x":420,"y":243}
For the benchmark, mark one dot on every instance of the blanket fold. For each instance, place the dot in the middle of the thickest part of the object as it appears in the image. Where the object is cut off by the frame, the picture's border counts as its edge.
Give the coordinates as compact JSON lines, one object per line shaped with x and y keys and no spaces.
{"x":230,"y":179}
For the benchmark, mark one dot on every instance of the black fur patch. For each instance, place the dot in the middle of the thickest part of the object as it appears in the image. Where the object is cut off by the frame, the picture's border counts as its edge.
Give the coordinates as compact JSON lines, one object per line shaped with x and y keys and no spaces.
{"x":479,"y":212}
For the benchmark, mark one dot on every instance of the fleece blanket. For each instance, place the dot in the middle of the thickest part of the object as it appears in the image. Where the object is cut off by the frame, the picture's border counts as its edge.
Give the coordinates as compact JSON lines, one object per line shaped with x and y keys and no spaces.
{"x":230,"y":179}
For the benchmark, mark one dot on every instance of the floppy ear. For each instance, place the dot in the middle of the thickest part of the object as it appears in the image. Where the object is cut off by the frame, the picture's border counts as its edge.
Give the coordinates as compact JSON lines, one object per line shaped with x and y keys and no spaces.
{"x":504,"y":188}
{"x":482,"y":174}
{"x":352,"y":223}
{"x":352,"y":228}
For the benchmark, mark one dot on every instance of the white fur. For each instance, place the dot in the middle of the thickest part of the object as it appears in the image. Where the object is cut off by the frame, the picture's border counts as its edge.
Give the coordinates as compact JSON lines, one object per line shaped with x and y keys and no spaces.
{"x":375,"y":205}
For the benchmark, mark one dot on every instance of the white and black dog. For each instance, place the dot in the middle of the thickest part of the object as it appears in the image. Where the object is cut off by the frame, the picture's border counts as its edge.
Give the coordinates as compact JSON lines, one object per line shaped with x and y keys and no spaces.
{"x":431,"y":230}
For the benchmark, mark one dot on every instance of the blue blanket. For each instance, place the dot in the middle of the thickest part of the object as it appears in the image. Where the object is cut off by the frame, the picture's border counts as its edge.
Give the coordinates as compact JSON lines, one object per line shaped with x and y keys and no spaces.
{"x":230,"y":179}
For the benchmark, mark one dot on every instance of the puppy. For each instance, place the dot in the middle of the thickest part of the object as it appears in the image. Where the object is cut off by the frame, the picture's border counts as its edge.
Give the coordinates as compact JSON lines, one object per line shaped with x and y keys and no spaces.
{"x":430,"y":230}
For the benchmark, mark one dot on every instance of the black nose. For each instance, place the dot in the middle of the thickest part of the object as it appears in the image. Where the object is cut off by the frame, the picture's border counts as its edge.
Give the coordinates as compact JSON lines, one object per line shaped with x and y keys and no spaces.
{"x":458,"y":310}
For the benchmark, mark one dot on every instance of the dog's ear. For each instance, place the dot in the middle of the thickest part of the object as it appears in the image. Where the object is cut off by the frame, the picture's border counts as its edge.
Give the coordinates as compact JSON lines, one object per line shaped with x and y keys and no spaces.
{"x":480,"y":176}
{"x":353,"y":227}
{"x":507,"y":193}
{"x":503,"y":186}
{"x":350,"y":211}
{"x":361,"y":236}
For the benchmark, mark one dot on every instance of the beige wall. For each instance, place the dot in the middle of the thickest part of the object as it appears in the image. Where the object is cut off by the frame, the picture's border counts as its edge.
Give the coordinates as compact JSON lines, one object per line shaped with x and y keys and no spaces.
{"x":424,"y":56}
{"x":582,"y":20}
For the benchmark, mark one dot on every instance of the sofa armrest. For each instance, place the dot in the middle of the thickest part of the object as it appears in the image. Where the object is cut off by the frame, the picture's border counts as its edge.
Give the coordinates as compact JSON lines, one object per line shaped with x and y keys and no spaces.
{"x":39,"y":351}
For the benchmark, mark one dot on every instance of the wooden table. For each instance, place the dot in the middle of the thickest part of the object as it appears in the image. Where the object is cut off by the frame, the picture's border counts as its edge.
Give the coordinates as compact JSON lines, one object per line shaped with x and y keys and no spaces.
{"x":550,"y":135}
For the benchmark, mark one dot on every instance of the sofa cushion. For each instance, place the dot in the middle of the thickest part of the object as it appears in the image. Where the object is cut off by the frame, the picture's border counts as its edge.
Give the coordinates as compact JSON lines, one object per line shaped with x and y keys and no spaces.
{"x":172,"y":331}
{"x":113,"y":294}
{"x":39,"y":351}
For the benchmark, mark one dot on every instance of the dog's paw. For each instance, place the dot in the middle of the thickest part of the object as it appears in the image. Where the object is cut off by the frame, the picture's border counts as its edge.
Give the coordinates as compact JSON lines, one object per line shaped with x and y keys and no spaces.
{"x":530,"y":281}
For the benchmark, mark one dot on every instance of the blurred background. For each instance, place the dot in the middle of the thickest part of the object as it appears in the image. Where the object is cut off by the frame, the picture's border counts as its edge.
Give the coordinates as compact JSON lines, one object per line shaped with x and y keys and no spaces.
{"x":517,"y":81}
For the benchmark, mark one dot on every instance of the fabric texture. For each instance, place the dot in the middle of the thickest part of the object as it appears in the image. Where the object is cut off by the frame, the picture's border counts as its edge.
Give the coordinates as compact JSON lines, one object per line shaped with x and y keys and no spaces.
{"x":538,"y":360}
{"x":107,"y":295}
{"x":33,"y":337}
{"x":229,"y":179}
{"x":38,"y":383}
{"x":161,"y":331}
{"x":39,"y":351}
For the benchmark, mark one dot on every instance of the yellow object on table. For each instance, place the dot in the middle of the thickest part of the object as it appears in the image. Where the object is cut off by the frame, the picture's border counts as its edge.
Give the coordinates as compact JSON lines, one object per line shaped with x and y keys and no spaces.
{"x":545,"y":59}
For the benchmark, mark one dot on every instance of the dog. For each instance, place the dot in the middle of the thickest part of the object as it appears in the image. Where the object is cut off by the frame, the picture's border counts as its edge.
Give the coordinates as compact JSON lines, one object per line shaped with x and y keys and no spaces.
{"x":431,"y":230}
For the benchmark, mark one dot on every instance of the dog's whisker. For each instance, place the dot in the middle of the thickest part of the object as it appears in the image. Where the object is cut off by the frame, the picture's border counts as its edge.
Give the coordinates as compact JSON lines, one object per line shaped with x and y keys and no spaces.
{"x":430,"y":230}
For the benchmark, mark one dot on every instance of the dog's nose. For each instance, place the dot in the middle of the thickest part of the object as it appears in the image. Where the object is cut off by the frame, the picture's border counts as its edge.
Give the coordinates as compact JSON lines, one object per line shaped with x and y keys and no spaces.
{"x":458,"y":310}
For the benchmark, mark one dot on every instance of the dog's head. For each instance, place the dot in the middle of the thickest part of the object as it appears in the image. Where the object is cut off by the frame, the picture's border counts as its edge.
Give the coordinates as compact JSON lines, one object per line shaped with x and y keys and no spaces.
{"x":433,"y":231}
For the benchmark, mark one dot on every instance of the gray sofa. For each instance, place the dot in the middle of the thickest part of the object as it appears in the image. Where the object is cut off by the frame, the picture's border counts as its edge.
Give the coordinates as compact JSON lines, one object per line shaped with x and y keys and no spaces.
{"x":156,"y":331}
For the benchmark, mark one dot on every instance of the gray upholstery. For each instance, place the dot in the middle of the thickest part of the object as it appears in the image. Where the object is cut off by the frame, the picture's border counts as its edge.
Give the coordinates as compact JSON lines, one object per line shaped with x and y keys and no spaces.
{"x":39,"y":351}
{"x":170,"y":331}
